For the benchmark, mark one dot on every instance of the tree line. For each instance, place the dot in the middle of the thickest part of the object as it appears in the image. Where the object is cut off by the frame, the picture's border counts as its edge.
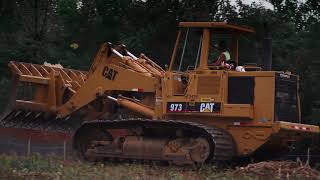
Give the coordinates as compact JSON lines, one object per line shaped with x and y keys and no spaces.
{"x":70,"y":31}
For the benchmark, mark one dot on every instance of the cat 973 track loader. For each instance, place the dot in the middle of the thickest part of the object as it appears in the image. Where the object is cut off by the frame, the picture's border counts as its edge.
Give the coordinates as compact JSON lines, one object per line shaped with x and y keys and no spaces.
{"x":128,"y":107}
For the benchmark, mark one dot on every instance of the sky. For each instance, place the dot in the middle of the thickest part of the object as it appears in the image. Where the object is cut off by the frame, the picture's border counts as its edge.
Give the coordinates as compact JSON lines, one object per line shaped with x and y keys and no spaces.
{"x":263,"y":2}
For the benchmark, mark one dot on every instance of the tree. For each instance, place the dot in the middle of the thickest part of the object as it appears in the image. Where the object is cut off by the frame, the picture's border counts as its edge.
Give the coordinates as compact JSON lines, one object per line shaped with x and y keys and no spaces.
{"x":34,"y":16}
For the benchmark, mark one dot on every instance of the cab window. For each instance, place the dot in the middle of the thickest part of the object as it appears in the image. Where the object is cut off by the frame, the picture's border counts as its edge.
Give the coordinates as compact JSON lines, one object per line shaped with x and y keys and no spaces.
{"x":188,"y":50}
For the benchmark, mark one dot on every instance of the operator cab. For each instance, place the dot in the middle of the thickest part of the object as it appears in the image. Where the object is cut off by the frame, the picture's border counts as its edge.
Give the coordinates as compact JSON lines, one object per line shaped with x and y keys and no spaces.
{"x":195,"y":46}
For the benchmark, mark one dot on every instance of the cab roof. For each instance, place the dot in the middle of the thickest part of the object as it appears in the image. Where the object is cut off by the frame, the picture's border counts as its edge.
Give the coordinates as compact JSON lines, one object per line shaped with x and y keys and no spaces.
{"x":217,"y":26}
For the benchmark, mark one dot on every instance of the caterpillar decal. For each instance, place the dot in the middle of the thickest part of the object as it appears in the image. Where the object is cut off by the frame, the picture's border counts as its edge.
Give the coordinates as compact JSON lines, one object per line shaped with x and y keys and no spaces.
{"x":180,"y":107}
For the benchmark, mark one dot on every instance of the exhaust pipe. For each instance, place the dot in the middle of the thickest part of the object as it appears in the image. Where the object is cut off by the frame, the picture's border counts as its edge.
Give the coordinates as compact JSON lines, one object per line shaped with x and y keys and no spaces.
{"x":267,"y":49}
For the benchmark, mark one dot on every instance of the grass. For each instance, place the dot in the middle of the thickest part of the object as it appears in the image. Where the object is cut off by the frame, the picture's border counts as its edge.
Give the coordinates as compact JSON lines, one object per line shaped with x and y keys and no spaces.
{"x":52,"y":167}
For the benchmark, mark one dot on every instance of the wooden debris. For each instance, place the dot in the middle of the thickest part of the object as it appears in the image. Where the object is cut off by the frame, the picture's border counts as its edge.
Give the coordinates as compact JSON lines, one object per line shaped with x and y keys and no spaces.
{"x":278,"y":170}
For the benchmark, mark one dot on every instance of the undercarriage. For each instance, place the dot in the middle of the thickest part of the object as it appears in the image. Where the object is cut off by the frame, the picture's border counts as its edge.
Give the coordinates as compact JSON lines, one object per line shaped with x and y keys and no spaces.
{"x":175,"y":142}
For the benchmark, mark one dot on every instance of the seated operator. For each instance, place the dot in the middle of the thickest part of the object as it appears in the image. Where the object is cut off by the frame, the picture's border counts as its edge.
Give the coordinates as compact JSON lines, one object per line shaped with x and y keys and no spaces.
{"x":224,"y":56}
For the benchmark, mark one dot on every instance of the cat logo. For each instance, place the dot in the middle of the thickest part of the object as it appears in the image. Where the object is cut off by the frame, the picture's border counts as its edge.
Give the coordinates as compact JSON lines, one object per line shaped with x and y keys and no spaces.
{"x":206,"y":107}
{"x":109,"y":73}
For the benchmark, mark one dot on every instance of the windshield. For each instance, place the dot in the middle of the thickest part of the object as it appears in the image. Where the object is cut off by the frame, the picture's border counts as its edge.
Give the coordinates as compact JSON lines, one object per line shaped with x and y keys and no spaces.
{"x":188,"y":50}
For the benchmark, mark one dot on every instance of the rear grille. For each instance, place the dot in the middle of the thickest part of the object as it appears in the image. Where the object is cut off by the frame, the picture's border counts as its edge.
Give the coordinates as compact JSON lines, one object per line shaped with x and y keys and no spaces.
{"x":209,"y":85}
{"x":286,"y":103}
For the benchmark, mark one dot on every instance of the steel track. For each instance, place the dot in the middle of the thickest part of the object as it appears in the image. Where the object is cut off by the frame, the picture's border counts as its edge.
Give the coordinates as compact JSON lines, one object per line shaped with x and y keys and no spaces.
{"x":38,"y":121}
{"x":221,"y":141}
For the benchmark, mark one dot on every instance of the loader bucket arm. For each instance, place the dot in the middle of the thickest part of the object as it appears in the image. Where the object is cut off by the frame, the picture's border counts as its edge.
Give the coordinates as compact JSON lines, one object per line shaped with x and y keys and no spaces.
{"x":42,"y":93}
{"x":111,"y":71}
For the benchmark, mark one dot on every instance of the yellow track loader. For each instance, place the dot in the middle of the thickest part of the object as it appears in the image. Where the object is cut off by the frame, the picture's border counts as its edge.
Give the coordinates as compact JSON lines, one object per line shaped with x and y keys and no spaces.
{"x":128,"y":107}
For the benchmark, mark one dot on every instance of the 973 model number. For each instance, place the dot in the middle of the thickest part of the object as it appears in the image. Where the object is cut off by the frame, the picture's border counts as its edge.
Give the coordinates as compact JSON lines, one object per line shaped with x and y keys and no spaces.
{"x":201,"y":107}
{"x":176,"y":107}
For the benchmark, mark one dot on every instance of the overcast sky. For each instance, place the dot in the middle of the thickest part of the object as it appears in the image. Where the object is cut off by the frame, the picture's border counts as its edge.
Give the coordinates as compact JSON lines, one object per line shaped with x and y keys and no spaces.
{"x":263,"y":2}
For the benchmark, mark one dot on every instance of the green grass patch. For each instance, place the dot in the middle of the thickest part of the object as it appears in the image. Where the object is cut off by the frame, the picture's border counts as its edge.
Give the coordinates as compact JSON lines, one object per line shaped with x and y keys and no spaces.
{"x":52,"y":167}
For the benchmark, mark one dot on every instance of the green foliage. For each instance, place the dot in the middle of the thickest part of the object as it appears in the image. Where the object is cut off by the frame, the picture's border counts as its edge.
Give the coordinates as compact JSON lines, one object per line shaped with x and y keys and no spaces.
{"x":4,"y":91}
{"x":68,"y":10}
{"x":48,"y":30}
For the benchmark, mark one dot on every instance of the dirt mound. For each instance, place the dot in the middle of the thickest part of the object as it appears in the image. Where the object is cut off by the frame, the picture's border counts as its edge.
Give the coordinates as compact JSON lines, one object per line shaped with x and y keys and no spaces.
{"x":278,"y":170}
